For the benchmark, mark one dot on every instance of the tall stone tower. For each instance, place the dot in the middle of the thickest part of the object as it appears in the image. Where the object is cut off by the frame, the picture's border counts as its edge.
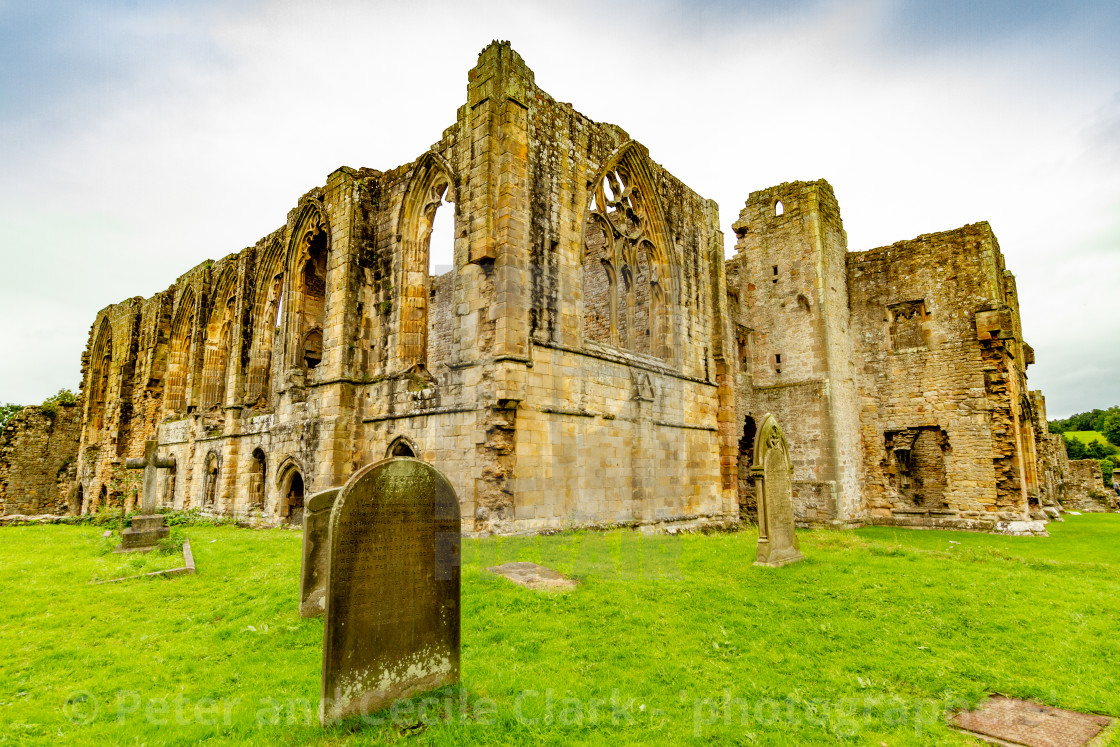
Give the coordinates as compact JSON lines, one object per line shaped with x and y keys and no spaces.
{"x":789,"y":290}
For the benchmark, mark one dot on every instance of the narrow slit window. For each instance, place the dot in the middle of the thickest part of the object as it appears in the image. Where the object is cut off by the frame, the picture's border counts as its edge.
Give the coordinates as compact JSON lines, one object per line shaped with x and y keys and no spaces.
{"x":779,"y":208}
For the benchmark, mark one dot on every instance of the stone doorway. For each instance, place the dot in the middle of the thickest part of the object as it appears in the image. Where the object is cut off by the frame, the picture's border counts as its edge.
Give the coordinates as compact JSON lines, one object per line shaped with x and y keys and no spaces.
{"x":292,"y":511}
{"x":916,"y":466}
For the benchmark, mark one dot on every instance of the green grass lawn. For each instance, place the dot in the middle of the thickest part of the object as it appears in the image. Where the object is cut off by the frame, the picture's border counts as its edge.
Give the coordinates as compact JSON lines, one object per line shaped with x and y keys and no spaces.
{"x":1087,"y":437}
{"x":669,"y":640}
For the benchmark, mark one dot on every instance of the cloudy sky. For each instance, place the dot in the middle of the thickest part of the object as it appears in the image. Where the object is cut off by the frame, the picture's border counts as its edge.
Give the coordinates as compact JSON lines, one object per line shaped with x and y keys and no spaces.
{"x":142,"y":137}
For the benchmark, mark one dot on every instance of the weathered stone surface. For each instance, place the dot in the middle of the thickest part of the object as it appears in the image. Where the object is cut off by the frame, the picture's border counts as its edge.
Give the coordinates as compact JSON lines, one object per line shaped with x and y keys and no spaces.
{"x":1021,"y":722}
{"x":777,"y":541}
{"x":1085,"y":488}
{"x":533,"y":576}
{"x":588,"y":359}
{"x":313,"y":570}
{"x":37,"y":454}
{"x":144,"y":534}
{"x":151,"y":463}
{"x":551,"y":391}
{"x":392,"y":616}
{"x":899,"y":372}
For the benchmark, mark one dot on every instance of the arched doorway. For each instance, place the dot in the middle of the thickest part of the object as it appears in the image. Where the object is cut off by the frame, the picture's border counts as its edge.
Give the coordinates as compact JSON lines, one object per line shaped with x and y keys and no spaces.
{"x":293,"y":501}
{"x":748,"y":499}
{"x":401,"y":447}
{"x":291,"y":488}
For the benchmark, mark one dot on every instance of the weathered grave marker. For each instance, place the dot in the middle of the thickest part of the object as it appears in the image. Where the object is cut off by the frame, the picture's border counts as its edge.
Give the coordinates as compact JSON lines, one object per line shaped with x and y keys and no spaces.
{"x":147,"y":528}
{"x":771,"y":469}
{"x":392,"y":614}
{"x":1002,"y":720}
{"x":533,"y":576}
{"x":313,"y":573}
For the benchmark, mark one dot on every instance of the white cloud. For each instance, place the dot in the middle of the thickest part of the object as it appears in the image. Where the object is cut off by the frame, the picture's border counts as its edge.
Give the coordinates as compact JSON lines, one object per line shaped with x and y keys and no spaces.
{"x":196,"y":154}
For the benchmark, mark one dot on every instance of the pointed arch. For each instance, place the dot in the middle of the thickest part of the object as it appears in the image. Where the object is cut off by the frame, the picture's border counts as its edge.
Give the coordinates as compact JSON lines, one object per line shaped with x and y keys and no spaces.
{"x":265,"y":322}
{"x":308,"y":261}
{"x":101,"y":362}
{"x":402,"y":446}
{"x":292,"y":488}
{"x":624,"y":221}
{"x":432,"y":183}
{"x":218,"y":339}
{"x":179,"y":354}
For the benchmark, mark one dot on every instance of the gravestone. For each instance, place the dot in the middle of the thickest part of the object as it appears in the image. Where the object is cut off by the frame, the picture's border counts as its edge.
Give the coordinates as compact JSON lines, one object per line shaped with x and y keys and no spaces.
{"x":772,"y":473}
{"x":313,"y":572}
{"x":147,"y":528}
{"x":392,"y":613}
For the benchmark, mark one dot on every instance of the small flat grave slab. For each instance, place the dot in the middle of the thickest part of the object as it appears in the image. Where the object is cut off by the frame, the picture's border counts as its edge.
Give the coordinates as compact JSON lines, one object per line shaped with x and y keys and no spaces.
{"x":1007,"y":721}
{"x":533,"y":576}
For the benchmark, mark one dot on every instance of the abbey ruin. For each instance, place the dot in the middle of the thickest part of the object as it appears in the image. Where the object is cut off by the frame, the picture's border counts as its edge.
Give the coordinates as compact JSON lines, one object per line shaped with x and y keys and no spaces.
{"x":590,"y":359}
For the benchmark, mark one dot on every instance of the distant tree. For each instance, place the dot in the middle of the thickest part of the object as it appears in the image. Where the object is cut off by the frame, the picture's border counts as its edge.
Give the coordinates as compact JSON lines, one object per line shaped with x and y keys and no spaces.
{"x":1111,"y":426}
{"x":1107,"y":465}
{"x":1098,"y":449}
{"x":7,"y":410}
{"x":1074,"y":448}
{"x":1056,"y":426}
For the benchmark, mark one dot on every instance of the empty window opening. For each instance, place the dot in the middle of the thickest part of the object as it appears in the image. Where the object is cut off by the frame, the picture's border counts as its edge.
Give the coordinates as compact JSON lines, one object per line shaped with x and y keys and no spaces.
{"x":775,"y":279}
{"x":744,"y":341}
{"x":746,"y":443}
{"x":779,"y":208}
{"x":441,"y":241}
{"x":279,"y":305}
{"x":401,"y":448}
{"x":313,"y":292}
{"x":777,"y":363}
{"x":79,"y":501}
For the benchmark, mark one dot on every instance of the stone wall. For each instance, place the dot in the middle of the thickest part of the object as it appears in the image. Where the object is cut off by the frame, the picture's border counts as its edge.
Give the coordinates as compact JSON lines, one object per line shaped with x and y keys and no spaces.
{"x":1086,"y":490}
{"x":898,"y":373}
{"x":38,"y":447}
{"x":934,"y":374}
{"x":788,"y":296}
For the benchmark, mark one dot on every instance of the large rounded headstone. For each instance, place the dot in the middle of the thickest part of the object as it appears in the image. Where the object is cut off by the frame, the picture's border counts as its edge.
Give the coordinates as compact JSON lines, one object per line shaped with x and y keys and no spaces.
{"x":392,"y":599}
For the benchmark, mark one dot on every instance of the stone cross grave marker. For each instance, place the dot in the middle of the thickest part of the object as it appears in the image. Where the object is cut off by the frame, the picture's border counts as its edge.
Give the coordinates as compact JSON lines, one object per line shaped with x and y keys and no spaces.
{"x":313,"y":572}
{"x":771,"y":469}
{"x":147,"y":528}
{"x":392,"y":596}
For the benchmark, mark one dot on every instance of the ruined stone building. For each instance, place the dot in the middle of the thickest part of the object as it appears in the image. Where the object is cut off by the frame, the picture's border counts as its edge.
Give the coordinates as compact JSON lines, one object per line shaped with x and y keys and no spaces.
{"x":589,"y":359}
{"x":899,"y":372}
{"x":38,"y":446}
